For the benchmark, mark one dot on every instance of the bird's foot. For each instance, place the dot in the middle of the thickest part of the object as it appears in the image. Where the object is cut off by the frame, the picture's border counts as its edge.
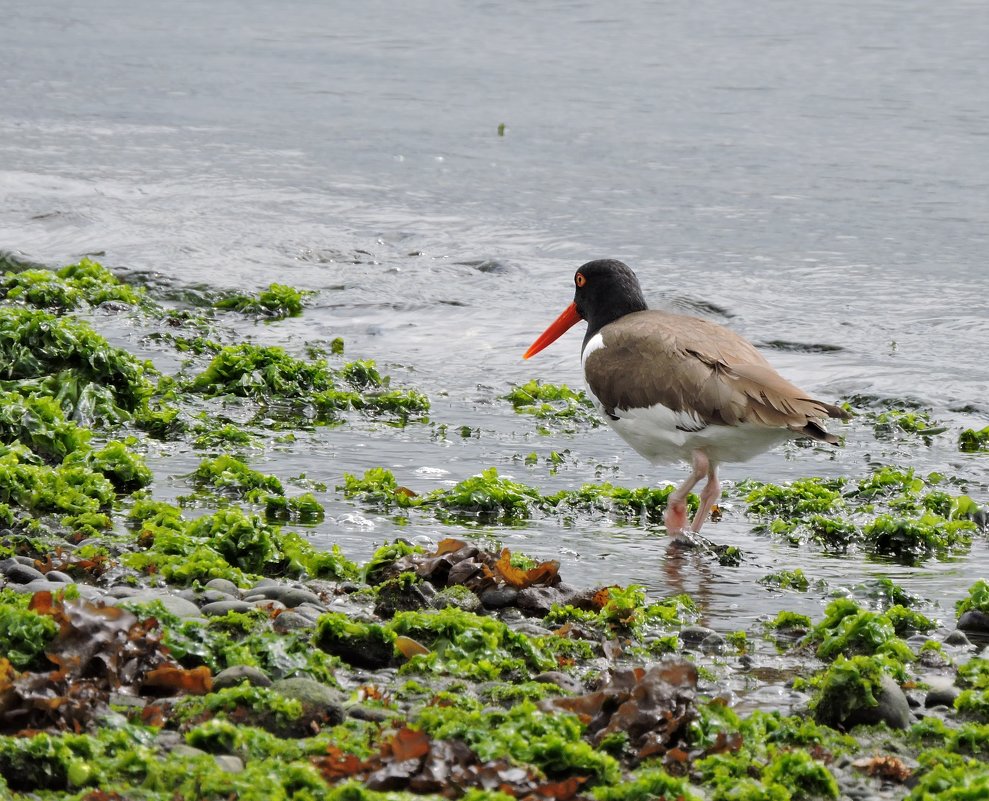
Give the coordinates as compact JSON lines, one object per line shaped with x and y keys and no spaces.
{"x":675,"y":518}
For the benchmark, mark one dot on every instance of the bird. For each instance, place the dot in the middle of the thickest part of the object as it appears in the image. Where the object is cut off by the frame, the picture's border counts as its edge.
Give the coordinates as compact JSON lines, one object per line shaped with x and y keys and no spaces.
{"x":680,"y":388}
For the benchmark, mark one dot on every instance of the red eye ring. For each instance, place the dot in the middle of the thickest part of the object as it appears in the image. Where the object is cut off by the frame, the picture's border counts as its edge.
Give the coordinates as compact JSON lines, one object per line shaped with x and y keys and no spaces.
{"x":579,"y":280}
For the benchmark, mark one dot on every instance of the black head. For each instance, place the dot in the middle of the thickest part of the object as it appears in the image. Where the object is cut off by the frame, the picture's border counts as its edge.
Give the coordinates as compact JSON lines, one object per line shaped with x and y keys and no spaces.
{"x":606,"y":289}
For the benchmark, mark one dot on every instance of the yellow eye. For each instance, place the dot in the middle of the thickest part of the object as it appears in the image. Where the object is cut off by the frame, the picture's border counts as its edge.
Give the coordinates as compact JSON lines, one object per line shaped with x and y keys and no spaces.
{"x":579,"y":280}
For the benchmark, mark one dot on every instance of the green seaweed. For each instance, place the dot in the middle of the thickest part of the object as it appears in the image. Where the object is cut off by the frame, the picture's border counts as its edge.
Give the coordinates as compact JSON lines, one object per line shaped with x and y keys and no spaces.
{"x":972,"y":441}
{"x":276,"y":302}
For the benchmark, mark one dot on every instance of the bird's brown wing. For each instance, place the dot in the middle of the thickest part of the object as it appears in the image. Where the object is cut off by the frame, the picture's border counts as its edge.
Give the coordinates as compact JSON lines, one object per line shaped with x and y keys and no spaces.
{"x":701,"y":369}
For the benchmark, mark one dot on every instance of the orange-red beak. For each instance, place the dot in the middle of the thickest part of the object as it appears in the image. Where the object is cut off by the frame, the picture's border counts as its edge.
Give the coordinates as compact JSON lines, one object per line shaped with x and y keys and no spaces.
{"x":558,"y":327}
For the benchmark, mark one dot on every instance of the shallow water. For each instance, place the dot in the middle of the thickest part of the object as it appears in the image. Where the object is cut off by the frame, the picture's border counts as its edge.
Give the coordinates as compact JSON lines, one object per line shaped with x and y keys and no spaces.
{"x":814,"y":177}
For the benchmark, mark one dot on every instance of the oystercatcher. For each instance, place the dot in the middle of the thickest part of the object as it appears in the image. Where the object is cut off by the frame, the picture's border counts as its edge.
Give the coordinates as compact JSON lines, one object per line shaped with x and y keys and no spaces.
{"x":678,"y":388}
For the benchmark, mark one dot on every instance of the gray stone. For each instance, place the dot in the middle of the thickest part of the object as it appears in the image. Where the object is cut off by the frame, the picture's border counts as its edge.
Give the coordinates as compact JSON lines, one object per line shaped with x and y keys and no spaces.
{"x":188,"y":751}
{"x":290,"y":621}
{"x":268,"y":605}
{"x":179,"y":607}
{"x":17,"y":573}
{"x":290,"y":596}
{"x":569,"y":684}
{"x":538,"y":600}
{"x":893,"y":708}
{"x":499,"y":597}
{"x":941,"y":694}
{"x":315,"y":697}
{"x":58,"y":575}
{"x":123,"y":591}
{"x":218,"y":608}
{"x":957,"y":637}
{"x":229,"y":763}
{"x":86,"y":591}
{"x":374,"y":714}
{"x":695,"y":635}
{"x":267,"y":582}
{"x":129,"y":701}
{"x":309,"y":612}
{"x":713,"y":643}
{"x":223,"y":585}
{"x":467,"y":601}
{"x":974,"y":620}
{"x":233,"y":676}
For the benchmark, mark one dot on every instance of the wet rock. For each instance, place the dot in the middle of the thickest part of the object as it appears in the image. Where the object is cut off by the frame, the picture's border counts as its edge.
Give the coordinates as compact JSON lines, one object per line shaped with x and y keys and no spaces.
{"x":318,"y":700}
{"x":393,"y":597}
{"x":187,"y":751}
{"x":123,"y":591}
{"x":974,"y":620}
{"x":308,"y":612}
{"x":127,"y":700}
{"x":463,"y":572}
{"x":893,"y":708}
{"x":569,"y":684}
{"x":499,"y":597}
{"x":18,"y":573}
{"x":713,"y":643}
{"x":290,"y":621}
{"x":957,"y":637}
{"x":219,"y":608}
{"x":374,"y":714}
{"x":223,"y":585}
{"x":238,"y":674}
{"x":58,"y":575}
{"x":942,"y":693}
{"x":269,"y":605}
{"x":692,"y":636}
{"x":229,"y":763}
{"x":932,"y":659}
{"x":290,"y":596}
{"x":179,"y":607}
{"x":467,"y":601}
{"x":44,"y":585}
{"x":537,"y":601}
{"x":531,"y":628}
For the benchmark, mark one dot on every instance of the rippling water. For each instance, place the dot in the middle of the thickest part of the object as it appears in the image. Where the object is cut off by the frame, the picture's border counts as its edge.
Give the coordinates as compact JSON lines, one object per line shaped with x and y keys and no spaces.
{"x":814,"y":176}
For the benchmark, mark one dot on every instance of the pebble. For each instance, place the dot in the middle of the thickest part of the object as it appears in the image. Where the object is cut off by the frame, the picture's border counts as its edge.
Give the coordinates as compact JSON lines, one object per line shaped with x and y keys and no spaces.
{"x":223,"y":585}
{"x":229,"y":763}
{"x":538,"y":600}
{"x":893,"y":708}
{"x":568,"y":684}
{"x":372,"y":714}
{"x":941,"y":694}
{"x":499,"y":597}
{"x":184,"y":750}
{"x":18,"y":573}
{"x":468,"y":602}
{"x":233,"y":676}
{"x":974,"y":620}
{"x":957,"y":637}
{"x":219,"y":608}
{"x":179,"y":607}
{"x":291,"y":621}
{"x":314,"y":696}
{"x":695,"y":635}
{"x":308,"y":612}
{"x":713,"y":643}
{"x":290,"y":596}
{"x":58,"y":575}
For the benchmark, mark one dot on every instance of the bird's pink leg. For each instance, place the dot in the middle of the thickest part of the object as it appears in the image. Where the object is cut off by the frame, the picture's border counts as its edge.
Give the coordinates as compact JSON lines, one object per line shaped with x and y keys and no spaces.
{"x":709,"y":496}
{"x":675,"y":516}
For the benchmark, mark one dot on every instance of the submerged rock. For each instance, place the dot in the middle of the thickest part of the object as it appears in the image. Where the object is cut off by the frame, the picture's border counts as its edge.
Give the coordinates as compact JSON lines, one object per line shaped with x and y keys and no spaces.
{"x":974,"y":620}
